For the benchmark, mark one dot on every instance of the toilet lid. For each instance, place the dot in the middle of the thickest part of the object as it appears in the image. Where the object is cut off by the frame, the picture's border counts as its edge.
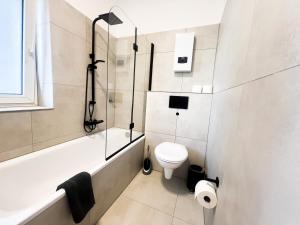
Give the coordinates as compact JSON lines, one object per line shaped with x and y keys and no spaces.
{"x":171,"y":152}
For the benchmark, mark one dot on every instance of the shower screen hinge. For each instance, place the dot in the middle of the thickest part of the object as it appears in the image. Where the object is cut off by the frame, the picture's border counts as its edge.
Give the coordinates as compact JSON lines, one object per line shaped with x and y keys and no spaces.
{"x":131,"y":126}
{"x":135,"y":47}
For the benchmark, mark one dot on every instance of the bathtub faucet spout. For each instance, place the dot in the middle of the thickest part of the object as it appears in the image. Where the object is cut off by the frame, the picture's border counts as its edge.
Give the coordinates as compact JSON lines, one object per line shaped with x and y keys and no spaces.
{"x":93,"y":123}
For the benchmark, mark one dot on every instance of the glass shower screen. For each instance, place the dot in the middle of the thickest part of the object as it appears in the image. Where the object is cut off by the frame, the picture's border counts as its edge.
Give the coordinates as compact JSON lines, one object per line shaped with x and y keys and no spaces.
{"x":122,"y":56}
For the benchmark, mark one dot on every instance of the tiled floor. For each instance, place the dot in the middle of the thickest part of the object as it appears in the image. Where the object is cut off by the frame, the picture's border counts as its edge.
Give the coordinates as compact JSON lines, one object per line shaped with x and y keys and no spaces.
{"x":152,"y":200}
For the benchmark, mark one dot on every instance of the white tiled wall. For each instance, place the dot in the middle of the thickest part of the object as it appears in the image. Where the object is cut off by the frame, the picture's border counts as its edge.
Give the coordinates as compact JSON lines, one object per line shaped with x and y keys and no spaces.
{"x":164,"y":78}
{"x":159,"y":118}
{"x":254,"y":132}
{"x":190,"y":128}
{"x":193,"y":122}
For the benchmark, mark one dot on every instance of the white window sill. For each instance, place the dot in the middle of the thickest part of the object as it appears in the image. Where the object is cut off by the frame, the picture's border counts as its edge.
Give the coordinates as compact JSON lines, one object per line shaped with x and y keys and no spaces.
{"x":24,"y":108}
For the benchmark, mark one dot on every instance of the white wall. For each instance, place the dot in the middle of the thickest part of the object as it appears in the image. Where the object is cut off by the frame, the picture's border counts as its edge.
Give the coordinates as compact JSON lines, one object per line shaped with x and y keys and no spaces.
{"x":156,"y":15}
{"x":190,"y":127}
{"x":253,"y":143}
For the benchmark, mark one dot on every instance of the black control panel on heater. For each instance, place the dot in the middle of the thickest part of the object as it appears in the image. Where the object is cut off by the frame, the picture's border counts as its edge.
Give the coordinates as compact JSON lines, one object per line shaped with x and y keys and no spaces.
{"x":182,"y":60}
{"x":179,"y":102}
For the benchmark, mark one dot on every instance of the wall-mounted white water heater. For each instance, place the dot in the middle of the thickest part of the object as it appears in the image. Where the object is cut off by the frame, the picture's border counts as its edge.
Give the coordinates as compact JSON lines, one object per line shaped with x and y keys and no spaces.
{"x":184,"y":52}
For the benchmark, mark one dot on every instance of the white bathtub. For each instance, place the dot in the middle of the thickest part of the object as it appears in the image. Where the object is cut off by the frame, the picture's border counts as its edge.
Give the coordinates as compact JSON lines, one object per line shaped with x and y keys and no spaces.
{"x":28,"y":183}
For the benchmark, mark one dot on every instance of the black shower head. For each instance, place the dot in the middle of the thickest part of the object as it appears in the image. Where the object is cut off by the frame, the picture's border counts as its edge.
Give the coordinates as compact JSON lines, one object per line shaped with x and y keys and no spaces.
{"x":111,"y":18}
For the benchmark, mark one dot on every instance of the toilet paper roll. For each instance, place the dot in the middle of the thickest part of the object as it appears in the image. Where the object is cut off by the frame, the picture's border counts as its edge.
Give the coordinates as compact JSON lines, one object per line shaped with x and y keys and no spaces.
{"x":205,"y":194}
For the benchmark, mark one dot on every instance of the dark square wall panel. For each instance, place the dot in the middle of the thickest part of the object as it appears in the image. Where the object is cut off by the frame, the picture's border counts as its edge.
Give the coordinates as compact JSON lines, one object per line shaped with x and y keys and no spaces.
{"x":179,"y":102}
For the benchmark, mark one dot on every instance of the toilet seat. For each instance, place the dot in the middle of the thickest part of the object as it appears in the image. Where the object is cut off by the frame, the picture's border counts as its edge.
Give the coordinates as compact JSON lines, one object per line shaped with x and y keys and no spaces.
{"x":171,"y":152}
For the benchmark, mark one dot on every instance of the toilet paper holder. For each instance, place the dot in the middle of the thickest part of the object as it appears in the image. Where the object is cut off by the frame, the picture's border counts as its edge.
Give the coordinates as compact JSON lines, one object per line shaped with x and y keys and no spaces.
{"x":216,"y":181}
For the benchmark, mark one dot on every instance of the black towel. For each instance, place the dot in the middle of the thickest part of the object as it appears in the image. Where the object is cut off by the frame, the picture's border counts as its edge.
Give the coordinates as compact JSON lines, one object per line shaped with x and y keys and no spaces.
{"x":80,"y":195}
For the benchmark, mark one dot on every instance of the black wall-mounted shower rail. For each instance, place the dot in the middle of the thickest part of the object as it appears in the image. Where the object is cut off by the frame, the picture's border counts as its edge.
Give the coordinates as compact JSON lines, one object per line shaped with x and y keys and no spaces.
{"x":90,"y":123}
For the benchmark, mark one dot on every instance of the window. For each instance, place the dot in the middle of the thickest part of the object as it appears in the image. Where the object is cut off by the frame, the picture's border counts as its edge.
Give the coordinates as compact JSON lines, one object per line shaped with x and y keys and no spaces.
{"x":17,"y":54}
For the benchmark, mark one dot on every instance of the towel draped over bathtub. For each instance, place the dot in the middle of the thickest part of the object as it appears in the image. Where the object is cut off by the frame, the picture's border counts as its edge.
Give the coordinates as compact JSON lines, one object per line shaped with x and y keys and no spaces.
{"x":80,"y":195}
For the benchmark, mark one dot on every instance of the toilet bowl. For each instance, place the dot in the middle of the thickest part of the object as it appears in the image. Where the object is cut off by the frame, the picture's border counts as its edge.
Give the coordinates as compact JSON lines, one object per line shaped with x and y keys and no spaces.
{"x":170,"y":156}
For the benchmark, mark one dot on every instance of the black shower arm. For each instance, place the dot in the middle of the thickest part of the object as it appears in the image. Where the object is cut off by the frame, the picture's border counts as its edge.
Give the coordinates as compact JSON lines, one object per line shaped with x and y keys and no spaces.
{"x":93,"y":37}
{"x":111,"y":19}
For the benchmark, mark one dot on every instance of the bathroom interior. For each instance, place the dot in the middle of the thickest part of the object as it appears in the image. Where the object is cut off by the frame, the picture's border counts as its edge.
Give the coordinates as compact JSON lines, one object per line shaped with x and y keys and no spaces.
{"x":149,"y":112}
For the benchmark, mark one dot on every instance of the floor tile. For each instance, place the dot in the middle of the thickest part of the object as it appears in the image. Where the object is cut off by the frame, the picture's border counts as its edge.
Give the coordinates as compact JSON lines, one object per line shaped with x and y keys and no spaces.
{"x":187,"y":208}
{"x":154,"y":191}
{"x":129,"y":212}
{"x":179,"y":222}
{"x":152,"y":200}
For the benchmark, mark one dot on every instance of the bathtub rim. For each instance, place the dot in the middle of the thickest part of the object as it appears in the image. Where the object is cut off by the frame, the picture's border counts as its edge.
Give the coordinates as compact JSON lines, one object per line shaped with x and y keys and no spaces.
{"x":26,"y":215}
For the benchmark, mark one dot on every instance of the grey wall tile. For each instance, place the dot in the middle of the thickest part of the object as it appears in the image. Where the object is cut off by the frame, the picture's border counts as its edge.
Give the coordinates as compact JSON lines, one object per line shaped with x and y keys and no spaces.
{"x":124,"y":73}
{"x":16,"y":152}
{"x":268,"y":130}
{"x":69,"y":57}
{"x":224,"y":118}
{"x":193,"y":122}
{"x":268,"y":54}
{"x":65,"y":119}
{"x":123,"y":101}
{"x":159,"y":117}
{"x":15,"y":134}
{"x":163,"y":77}
{"x":196,"y":149}
{"x":101,"y":35}
{"x":75,"y":22}
{"x":233,"y":45}
{"x":254,"y":50}
{"x":164,"y":41}
{"x":223,"y":156}
{"x":202,"y":70}
{"x":254,"y":127}
{"x":102,"y":68}
{"x":261,"y":144}
{"x":55,"y":141}
{"x":206,"y":37}
{"x":124,"y":46}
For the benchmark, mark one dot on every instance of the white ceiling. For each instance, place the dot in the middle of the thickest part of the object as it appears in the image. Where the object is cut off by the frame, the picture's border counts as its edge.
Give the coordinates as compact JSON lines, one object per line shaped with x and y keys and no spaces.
{"x":152,"y":16}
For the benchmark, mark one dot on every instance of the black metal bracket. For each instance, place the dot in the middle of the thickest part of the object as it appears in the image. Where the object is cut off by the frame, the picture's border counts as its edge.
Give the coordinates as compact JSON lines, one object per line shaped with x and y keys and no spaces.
{"x":216,"y":181}
{"x":135,"y":47}
{"x":92,"y":67}
{"x":92,"y":56}
{"x":131,"y":126}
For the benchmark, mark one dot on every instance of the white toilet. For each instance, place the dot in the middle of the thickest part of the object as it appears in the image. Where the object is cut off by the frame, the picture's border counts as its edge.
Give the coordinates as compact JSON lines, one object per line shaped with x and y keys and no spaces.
{"x":170,"y":156}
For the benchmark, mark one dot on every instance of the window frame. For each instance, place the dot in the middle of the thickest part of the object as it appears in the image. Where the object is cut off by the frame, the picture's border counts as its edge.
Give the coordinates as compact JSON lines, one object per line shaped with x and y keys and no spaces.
{"x":29,"y":73}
